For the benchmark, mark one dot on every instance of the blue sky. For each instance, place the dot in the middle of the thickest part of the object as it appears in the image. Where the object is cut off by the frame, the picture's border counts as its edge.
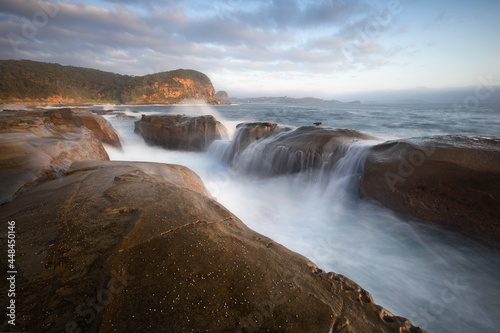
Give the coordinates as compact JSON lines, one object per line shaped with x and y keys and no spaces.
{"x":326,"y":48}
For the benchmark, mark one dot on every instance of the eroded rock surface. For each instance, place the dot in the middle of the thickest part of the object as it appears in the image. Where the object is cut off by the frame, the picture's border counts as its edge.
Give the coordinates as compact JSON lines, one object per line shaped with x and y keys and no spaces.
{"x":180,"y":132}
{"x":450,"y":180}
{"x":142,"y":247}
{"x":40,"y":145}
{"x":101,"y":128}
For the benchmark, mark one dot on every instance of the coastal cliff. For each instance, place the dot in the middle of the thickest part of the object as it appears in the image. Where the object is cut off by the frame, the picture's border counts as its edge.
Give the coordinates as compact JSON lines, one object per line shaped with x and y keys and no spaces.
{"x":32,"y":82}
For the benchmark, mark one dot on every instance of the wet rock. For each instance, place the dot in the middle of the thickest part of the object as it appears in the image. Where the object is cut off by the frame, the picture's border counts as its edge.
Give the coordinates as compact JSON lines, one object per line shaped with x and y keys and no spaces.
{"x":180,"y":132}
{"x":41,"y":145}
{"x":450,"y":180}
{"x":248,"y":133}
{"x":270,"y":149}
{"x":63,"y":117}
{"x":78,"y":117}
{"x":136,"y":247}
{"x":102,"y":129}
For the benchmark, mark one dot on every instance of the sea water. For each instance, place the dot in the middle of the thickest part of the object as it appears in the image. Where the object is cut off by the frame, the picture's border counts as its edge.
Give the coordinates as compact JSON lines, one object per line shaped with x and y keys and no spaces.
{"x":438,"y":279}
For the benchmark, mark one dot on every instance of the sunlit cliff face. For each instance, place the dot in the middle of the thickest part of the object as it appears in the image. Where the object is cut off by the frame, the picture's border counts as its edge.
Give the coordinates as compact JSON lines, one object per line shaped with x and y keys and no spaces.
{"x":183,"y":88}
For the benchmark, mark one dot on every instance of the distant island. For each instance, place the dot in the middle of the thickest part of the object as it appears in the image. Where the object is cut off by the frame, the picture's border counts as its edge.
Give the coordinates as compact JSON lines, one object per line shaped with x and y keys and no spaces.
{"x":283,"y":100}
{"x":32,"y":82}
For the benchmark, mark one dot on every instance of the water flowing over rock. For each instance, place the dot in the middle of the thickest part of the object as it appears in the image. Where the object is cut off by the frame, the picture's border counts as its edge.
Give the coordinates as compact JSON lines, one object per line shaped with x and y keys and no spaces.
{"x":250,"y":132}
{"x":450,"y":180}
{"x":41,"y":145}
{"x":269,"y":149}
{"x":142,"y":247}
{"x":180,"y":132}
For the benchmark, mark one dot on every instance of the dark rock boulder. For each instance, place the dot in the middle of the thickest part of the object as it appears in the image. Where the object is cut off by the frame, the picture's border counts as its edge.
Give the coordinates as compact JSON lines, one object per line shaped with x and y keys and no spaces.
{"x":37,"y":145}
{"x":180,"y":132}
{"x":450,"y":180}
{"x":136,"y":247}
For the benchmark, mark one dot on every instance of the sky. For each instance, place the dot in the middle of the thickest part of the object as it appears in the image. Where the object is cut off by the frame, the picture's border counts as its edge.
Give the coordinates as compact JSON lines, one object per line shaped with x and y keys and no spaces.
{"x":330,"y":49}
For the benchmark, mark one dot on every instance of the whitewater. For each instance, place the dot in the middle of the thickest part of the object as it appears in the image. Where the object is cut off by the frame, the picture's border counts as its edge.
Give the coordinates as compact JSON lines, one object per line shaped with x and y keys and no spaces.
{"x":438,"y":279}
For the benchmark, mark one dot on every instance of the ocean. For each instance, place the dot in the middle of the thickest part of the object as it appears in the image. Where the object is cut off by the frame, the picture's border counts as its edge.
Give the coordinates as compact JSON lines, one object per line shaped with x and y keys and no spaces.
{"x":438,"y":279}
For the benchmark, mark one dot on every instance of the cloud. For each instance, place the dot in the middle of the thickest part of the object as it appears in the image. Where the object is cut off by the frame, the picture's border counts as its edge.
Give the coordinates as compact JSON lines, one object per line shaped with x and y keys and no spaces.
{"x":333,"y":12}
{"x":141,"y":37}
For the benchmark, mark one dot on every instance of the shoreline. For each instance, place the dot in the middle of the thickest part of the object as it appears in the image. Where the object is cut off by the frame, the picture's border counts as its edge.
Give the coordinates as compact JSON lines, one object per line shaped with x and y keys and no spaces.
{"x":126,"y":203}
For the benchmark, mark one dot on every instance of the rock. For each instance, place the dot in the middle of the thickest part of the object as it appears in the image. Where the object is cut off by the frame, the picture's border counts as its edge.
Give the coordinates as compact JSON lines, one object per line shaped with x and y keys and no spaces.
{"x":272,"y":150}
{"x":180,"y":132}
{"x":248,"y":133}
{"x":101,"y":128}
{"x":136,"y":247}
{"x":450,"y":180}
{"x":63,"y":117}
{"x":38,"y":145}
{"x":222,"y":96}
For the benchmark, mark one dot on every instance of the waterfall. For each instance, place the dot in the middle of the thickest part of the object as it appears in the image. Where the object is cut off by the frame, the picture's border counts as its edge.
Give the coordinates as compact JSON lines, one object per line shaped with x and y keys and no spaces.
{"x":328,"y":157}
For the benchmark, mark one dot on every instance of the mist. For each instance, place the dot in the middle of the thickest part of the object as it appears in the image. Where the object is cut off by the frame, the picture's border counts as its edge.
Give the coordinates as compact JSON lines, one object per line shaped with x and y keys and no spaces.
{"x":438,"y":279}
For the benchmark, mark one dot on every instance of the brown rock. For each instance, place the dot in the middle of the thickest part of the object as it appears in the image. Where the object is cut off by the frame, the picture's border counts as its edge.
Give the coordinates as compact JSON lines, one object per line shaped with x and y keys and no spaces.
{"x":101,"y":128}
{"x":450,"y":180}
{"x":248,"y":133}
{"x":282,"y":150}
{"x":180,"y":132}
{"x":64,"y":116}
{"x":38,"y":145}
{"x":135,"y":247}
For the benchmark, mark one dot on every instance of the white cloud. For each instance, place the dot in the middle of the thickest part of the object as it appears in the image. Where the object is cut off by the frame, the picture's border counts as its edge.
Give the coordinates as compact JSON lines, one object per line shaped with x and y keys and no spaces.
{"x":271,"y":38}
